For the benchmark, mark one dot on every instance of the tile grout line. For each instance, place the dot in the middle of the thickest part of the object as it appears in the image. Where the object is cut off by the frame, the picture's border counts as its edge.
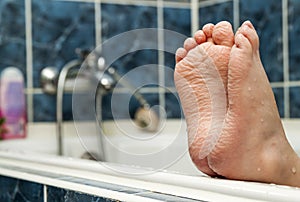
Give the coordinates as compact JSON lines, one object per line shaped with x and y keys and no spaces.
{"x":98,"y":19}
{"x":285,"y":51}
{"x":161,"y":58}
{"x":170,"y":4}
{"x":194,"y":16}
{"x":45,"y":193}
{"x":211,"y":2}
{"x":29,"y":58}
{"x":236,"y":14}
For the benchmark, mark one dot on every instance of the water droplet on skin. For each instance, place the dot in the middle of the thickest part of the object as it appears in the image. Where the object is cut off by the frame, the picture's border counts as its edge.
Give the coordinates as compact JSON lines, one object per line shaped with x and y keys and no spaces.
{"x":258,"y":169}
{"x":261,"y":120}
{"x":294,"y":170}
{"x":249,"y":88}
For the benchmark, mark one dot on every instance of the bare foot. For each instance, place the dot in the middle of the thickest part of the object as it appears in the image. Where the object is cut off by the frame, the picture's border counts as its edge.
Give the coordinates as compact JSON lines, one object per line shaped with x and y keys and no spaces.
{"x":201,"y":80}
{"x":252,"y":144}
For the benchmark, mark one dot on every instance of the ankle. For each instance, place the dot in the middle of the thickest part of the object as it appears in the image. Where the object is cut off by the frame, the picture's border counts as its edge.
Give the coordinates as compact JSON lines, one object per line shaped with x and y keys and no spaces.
{"x":290,"y":172}
{"x":283,"y":164}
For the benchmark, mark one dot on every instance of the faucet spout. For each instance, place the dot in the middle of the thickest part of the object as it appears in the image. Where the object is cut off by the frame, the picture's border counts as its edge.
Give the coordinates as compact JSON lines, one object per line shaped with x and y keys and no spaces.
{"x":59,"y":102}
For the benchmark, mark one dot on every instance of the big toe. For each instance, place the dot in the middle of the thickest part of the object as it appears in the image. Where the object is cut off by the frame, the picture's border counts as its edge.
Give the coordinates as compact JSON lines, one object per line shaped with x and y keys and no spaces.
{"x":223,"y":34}
{"x":248,"y":30}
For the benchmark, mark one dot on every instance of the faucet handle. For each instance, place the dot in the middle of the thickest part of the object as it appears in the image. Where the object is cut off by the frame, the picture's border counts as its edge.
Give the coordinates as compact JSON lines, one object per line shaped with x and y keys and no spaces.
{"x":82,"y":53}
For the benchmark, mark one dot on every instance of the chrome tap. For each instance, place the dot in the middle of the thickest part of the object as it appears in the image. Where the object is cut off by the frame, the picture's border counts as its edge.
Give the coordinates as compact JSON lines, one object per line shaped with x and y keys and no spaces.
{"x":106,"y":79}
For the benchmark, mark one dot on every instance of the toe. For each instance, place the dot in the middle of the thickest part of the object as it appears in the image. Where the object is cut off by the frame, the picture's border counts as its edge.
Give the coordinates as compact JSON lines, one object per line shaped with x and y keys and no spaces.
{"x":242,"y":42}
{"x":180,"y":54}
{"x":200,"y":37}
{"x":223,"y":34}
{"x":208,"y":31}
{"x":248,"y":30}
{"x":189,"y":44}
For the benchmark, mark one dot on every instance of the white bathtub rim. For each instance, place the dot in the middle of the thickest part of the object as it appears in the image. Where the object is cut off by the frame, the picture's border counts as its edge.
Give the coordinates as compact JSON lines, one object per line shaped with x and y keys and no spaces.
{"x":245,"y":190}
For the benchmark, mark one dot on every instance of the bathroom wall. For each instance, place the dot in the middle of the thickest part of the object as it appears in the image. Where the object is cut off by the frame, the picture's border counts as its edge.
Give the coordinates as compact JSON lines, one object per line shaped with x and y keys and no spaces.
{"x":39,"y":33}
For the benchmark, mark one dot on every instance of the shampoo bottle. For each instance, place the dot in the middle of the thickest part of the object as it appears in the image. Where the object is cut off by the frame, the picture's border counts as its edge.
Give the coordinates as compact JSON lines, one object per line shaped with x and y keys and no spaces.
{"x":12,"y":103}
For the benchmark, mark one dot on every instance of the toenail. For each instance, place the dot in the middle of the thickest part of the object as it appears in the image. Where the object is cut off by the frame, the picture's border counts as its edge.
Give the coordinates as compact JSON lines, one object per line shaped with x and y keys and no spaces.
{"x":248,"y":23}
{"x":245,"y":28}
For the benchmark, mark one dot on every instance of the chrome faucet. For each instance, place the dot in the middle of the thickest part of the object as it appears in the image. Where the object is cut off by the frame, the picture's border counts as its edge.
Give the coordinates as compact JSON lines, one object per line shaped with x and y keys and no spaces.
{"x":53,"y":82}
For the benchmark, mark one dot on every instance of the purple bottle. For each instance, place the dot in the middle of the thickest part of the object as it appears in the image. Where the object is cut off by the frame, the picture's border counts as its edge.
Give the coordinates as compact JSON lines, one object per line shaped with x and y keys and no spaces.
{"x":12,"y":103}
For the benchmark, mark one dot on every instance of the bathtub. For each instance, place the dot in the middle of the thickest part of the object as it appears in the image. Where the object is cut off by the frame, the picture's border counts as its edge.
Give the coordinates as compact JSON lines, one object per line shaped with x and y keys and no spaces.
{"x":134,"y":164}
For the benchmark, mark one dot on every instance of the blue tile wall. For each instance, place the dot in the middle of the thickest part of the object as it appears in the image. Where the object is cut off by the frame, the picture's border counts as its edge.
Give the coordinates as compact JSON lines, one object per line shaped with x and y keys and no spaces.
{"x":278,"y":93}
{"x":216,"y":13}
{"x":177,"y":20}
{"x":173,"y":107}
{"x":117,"y":19}
{"x":62,"y":195}
{"x":295,"y":102}
{"x":17,"y":190}
{"x":120,"y":104}
{"x":294,"y":37}
{"x":59,"y":27}
{"x":12,"y":189}
{"x":125,"y":20}
{"x":267,"y":18}
{"x":12,"y":34}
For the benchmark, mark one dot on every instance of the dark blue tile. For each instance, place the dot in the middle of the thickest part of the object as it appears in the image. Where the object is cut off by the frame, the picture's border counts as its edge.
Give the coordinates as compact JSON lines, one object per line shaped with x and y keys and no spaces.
{"x":169,"y":69}
{"x":58,"y":29}
{"x":173,"y":106}
{"x":216,"y":13}
{"x":138,"y":67}
{"x":295,"y":102}
{"x":266,"y":17}
{"x":294,"y":37}
{"x":44,"y":107}
{"x":130,"y":52}
{"x":12,"y":189}
{"x":124,"y":106}
{"x":179,"y":21}
{"x":279,"y":97}
{"x":62,"y":195}
{"x":117,"y":19}
{"x":12,"y":34}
